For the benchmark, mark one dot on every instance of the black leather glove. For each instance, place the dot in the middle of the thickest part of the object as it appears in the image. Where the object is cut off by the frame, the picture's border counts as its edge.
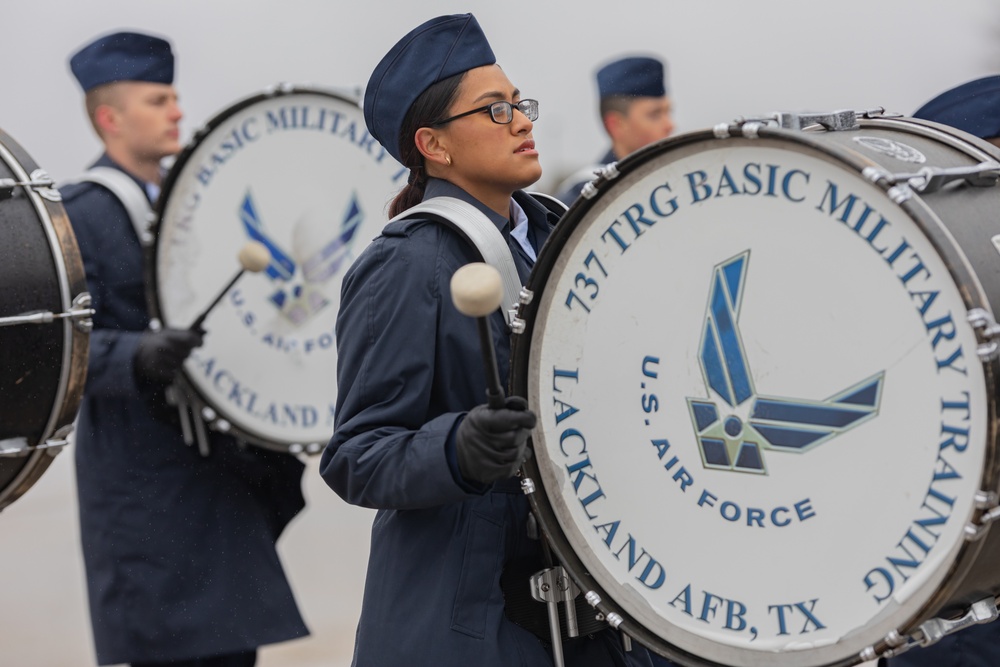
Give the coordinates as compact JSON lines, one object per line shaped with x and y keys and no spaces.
{"x":491,"y":443}
{"x":160,"y":353}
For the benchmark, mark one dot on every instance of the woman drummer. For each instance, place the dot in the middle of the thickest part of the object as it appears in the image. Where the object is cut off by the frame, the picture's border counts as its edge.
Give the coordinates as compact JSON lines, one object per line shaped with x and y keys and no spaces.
{"x":451,"y":538}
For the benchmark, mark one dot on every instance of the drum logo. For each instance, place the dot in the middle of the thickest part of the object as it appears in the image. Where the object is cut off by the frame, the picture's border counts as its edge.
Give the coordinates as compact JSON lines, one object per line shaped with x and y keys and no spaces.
{"x":299,"y":297}
{"x":732,"y":437}
{"x":892,"y":148}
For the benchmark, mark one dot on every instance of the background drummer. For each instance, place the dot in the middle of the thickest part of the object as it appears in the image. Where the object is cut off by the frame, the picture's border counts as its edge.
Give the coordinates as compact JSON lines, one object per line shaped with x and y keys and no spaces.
{"x":179,"y":549}
{"x":973,"y":107}
{"x":635,"y":112}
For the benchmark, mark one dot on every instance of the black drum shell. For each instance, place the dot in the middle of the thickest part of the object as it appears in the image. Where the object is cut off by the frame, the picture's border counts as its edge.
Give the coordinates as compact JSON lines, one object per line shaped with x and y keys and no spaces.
{"x":44,"y":365}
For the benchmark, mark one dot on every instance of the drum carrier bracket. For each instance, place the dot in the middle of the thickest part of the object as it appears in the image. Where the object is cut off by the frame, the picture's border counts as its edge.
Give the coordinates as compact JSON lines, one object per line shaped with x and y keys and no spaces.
{"x":932,"y":630}
{"x":834,"y":121}
{"x":931,"y":179}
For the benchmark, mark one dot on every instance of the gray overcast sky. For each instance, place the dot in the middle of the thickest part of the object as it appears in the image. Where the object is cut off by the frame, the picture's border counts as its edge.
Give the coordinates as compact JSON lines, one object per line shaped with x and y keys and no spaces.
{"x":727,"y":57}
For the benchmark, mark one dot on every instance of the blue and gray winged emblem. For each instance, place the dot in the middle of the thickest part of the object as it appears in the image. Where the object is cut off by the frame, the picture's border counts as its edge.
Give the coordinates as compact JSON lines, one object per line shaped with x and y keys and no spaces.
{"x":735,"y":425}
{"x":297,"y":295}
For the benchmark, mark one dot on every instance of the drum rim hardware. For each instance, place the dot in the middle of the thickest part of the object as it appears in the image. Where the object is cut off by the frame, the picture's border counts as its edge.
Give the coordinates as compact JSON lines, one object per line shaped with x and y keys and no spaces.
{"x":80,"y":313}
{"x":39,"y":181}
{"x":608,"y":172}
{"x":933,"y":630}
{"x":931,"y":179}
{"x":18,"y":446}
{"x":987,"y":330}
{"x":987,"y":502}
{"x":517,"y":324}
{"x":749,"y":127}
{"x":833,"y":121}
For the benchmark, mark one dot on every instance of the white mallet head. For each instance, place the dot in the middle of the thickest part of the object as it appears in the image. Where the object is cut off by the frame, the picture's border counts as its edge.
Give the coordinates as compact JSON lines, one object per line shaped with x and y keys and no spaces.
{"x":254,"y":256}
{"x":476,"y":289}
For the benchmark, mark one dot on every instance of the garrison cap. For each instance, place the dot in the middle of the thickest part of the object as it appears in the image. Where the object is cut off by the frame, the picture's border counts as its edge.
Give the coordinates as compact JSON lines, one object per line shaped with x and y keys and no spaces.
{"x":638,"y":76}
{"x":433,"y":51}
{"x":973,"y":107}
{"x":123,"y":56}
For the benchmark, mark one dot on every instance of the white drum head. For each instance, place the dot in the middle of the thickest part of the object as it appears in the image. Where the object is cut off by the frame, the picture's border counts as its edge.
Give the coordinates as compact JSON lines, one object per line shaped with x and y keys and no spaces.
{"x":298,"y":171}
{"x":763,"y":421}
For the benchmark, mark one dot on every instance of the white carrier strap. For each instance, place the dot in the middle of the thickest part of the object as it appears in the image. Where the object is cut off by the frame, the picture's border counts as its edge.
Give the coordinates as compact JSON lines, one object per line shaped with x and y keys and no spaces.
{"x":483,"y":234}
{"x":549,"y":202}
{"x":129,"y":194}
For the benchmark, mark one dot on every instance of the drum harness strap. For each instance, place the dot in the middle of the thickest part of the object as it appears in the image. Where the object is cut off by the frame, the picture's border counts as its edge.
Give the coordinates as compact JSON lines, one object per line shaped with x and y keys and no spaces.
{"x":551,"y":585}
{"x":470,"y":222}
{"x":130,"y":195}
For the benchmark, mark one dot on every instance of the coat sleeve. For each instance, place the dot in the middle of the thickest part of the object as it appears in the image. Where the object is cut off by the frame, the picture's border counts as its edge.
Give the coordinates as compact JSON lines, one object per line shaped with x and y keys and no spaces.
{"x":110,"y":369}
{"x":388,"y":450}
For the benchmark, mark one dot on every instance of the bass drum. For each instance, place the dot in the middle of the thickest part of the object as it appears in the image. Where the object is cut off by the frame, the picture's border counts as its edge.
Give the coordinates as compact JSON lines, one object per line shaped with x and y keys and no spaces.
{"x":295,"y":169}
{"x":44,"y":323}
{"x":763,"y":361}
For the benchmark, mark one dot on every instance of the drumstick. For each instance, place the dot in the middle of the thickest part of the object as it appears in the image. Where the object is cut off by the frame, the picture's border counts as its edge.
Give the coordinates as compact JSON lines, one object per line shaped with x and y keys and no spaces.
{"x":477,"y":291}
{"x":254,"y":257}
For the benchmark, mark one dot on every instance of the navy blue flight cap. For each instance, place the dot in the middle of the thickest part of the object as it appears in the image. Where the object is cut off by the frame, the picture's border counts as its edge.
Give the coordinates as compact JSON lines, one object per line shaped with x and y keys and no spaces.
{"x":973,"y":107}
{"x":123,"y":56}
{"x":632,"y":77}
{"x":433,"y":51}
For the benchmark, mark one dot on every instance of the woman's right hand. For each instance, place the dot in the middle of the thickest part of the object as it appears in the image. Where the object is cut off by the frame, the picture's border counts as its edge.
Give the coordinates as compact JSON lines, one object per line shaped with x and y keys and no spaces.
{"x":491,"y":443}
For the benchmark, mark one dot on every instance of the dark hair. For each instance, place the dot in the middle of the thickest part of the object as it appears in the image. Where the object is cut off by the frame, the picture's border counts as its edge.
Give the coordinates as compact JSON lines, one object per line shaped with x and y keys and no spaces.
{"x":432,"y":105}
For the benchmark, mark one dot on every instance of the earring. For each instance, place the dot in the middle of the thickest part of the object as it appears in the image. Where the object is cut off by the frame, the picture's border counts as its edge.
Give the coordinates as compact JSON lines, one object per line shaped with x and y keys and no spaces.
{"x":448,"y":159}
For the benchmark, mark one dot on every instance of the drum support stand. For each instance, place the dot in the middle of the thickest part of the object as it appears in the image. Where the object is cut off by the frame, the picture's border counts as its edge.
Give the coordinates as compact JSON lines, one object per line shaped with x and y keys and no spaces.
{"x":177,"y":397}
{"x":552,"y":586}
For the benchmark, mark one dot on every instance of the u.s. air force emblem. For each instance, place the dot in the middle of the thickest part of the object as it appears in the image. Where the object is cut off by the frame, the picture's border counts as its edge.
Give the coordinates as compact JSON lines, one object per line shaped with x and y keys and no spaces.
{"x":736,"y":426}
{"x":301,"y":274}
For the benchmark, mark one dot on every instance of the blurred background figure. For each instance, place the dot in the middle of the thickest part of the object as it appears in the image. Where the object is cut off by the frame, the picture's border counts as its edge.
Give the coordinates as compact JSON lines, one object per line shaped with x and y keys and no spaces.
{"x":972,"y":107}
{"x":635,"y":111}
{"x":179,"y":548}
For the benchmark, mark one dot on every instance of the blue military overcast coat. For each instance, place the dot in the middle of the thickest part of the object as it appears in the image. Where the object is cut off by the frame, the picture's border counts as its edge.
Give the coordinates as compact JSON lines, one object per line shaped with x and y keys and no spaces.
{"x":179,"y":549}
{"x":409,"y":368}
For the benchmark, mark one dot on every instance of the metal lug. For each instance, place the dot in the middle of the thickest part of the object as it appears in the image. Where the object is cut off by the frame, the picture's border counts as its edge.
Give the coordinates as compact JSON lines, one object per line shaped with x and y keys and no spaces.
{"x":835,"y":121}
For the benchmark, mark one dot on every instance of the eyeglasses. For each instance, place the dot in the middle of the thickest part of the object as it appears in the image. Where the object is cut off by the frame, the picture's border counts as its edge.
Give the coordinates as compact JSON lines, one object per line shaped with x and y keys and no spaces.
{"x":500,"y":112}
